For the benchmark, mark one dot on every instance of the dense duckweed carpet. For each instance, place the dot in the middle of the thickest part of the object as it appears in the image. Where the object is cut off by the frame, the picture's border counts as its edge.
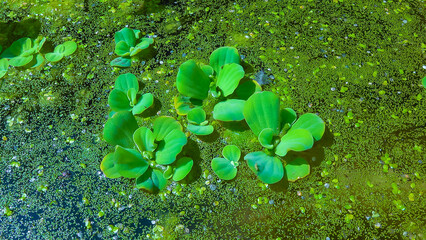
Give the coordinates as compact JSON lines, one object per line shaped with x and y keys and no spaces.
{"x":359,"y":65}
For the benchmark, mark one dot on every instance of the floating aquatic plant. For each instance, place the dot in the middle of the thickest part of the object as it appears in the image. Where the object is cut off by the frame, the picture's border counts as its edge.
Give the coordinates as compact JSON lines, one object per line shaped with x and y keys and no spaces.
{"x":128,"y":45}
{"x":4,"y":65}
{"x":144,"y":154}
{"x":25,"y":52}
{"x":197,"y":123}
{"x":226,"y":168}
{"x":279,"y":132}
{"x":65,"y":49}
{"x":125,"y":95}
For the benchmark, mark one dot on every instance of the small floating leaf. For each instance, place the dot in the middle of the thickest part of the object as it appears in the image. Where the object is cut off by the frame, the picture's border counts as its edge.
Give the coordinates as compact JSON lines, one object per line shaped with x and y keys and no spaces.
{"x":269,"y":169}
{"x":183,"y":167}
{"x":297,"y":169}
{"x":229,"y":110}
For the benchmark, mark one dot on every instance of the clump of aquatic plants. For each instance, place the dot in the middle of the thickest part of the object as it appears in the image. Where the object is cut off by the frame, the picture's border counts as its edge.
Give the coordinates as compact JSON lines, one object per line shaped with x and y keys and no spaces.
{"x":221,"y":78}
{"x":129,"y":46}
{"x":145,"y":155}
{"x":279,"y":132}
{"x":126,"y":97}
{"x":26,"y":53}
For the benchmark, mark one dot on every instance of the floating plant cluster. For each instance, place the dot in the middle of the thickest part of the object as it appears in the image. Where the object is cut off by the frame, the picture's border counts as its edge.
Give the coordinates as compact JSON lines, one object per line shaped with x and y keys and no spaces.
{"x":150,"y":156}
{"x":27,"y":53}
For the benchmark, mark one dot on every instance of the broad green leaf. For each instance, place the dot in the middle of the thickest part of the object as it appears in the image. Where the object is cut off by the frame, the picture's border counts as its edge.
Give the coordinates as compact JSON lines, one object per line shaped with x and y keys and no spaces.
{"x":266,"y":138}
{"x":424,"y":82}
{"x":130,"y":163}
{"x":144,"y":139}
{"x":311,"y":122}
{"x":222,"y":56}
{"x":170,"y":147}
{"x":70,"y":47}
{"x":20,"y":61}
{"x":121,"y":62}
{"x":247,"y":88}
{"x":200,"y":130}
{"x":182,"y":104}
{"x":144,"y":43}
{"x":109,"y":166}
{"x":231,"y":153}
{"x":183,"y":167}
{"x":4,"y":65}
{"x":191,"y":81}
{"x":269,"y":169}
{"x":297,"y":169}
{"x":124,"y":82}
{"x":122,"y":49}
{"x":21,"y":47}
{"x":37,"y":60}
{"x":127,"y":35}
{"x":207,"y":69}
{"x":262,"y":111}
{"x":163,"y":126}
{"x":118,"y":101}
{"x":131,"y":96}
{"x":229,"y":110}
{"x":288,"y":115}
{"x":152,"y":181}
{"x":229,"y":77}
{"x":296,"y":140}
{"x":119,"y":129}
{"x":196,"y":116}
{"x":224,"y":168}
{"x":137,"y":33}
{"x":53,"y":57}
{"x":59,"y":49}
{"x":145,"y":101}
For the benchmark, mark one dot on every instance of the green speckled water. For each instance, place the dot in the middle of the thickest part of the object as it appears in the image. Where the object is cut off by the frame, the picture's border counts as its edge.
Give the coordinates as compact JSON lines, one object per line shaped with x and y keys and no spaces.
{"x":359,"y":65}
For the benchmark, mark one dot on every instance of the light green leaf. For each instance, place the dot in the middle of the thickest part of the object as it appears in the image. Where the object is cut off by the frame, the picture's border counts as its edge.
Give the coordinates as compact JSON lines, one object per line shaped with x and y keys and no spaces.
{"x":20,"y":61}
{"x":119,"y":129}
{"x":127,"y":35}
{"x":231,"y":153}
{"x":311,"y":122}
{"x":247,"y":88}
{"x":109,"y":166}
{"x":200,"y":130}
{"x":19,"y":48}
{"x":38,"y":43}
{"x":70,"y":47}
{"x":54,"y":57}
{"x":191,"y":81}
{"x":37,"y":60}
{"x":424,"y":82}
{"x":4,"y":65}
{"x":288,"y":115}
{"x":118,"y":101}
{"x":145,"y":101}
{"x":144,"y":139}
{"x":196,"y":116}
{"x":163,"y":126}
{"x":170,"y":147}
{"x":297,"y":169}
{"x":229,"y":77}
{"x":124,"y":82}
{"x":130,"y":163}
{"x":182,"y":167}
{"x":296,"y":140}
{"x":269,"y":169}
{"x":224,"y":168}
{"x":168,"y":173}
{"x":262,"y":111}
{"x":207,"y":69}
{"x":229,"y":110}
{"x":222,"y":56}
{"x":142,"y":45}
{"x":121,"y":62}
{"x":266,"y":138}
{"x":151,"y":181}
{"x":122,"y":49}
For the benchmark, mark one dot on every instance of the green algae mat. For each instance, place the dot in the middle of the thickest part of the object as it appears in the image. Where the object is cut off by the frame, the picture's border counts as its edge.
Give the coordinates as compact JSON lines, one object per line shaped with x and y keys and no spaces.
{"x":266,"y":119}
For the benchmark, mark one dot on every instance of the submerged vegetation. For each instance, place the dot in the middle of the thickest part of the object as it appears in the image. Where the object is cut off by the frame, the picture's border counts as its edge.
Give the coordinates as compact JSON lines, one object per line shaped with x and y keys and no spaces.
{"x":357,"y":66}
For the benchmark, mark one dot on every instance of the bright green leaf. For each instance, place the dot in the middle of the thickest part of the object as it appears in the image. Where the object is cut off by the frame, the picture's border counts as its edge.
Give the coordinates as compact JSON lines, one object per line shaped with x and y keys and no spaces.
{"x":297,"y":169}
{"x":54,"y":57}
{"x":224,"y":168}
{"x":229,"y":110}
{"x":248,"y":88}
{"x":196,"y":116}
{"x":170,"y":147}
{"x":222,"y":56}
{"x":296,"y":140}
{"x":200,"y":130}
{"x":229,"y":77}
{"x":130,"y":163}
{"x":145,"y":101}
{"x":118,"y":101}
{"x":191,"y":81}
{"x":121,"y":62}
{"x":144,"y":139}
{"x":151,"y":181}
{"x":183,"y":167}
{"x":119,"y":129}
{"x":269,"y":169}
{"x":70,"y":47}
{"x":109,"y":166}
{"x":311,"y":122}
{"x":127,"y":35}
{"x":231,"y":153}
{"x":4,"y":65}
{"x":262,"y":111}
{"x":165,"y":125}
{"x":266,"y":138}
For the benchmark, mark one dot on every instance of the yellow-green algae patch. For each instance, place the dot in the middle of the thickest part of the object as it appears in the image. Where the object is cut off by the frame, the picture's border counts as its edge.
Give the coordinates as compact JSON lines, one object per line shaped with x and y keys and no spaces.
{"x":358,"y":65}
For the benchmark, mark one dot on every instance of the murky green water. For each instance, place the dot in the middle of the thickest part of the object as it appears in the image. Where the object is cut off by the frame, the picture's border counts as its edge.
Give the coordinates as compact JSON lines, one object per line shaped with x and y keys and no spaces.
{"x":357,"y":64}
